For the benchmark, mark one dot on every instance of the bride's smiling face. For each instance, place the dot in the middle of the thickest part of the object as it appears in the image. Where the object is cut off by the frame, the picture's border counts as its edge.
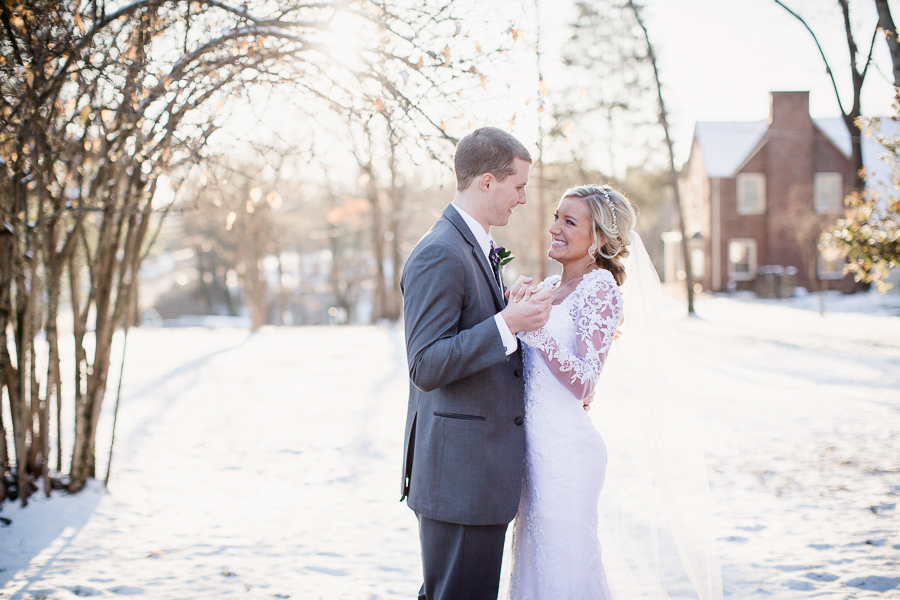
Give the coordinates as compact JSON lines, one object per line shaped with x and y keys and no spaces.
{"x":570,"y":231}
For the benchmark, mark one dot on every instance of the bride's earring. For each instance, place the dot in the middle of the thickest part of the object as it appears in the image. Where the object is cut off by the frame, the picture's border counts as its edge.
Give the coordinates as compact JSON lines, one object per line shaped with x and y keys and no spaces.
{"x":592,"y":251}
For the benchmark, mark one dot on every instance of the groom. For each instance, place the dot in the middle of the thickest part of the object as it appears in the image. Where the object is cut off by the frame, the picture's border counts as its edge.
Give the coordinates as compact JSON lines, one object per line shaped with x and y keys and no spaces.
{"x":465,"y":442}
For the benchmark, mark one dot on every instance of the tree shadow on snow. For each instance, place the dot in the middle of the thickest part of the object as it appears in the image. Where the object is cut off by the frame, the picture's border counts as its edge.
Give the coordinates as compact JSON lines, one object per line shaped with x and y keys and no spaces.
{"x":40,"y":533}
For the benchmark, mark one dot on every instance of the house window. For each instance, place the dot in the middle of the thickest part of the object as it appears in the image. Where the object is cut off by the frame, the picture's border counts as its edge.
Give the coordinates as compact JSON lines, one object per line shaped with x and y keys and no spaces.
{"x":742,"y":259}
{"x":751,"y":194}
{"x":830,"y":264}
{"x":829,"y":193}
{"x":696,"y":194}
{"x":698,"y":263}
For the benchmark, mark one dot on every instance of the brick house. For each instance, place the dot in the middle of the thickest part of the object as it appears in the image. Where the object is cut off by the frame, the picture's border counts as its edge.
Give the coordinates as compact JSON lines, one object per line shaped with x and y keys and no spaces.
{"x":759,"y":193}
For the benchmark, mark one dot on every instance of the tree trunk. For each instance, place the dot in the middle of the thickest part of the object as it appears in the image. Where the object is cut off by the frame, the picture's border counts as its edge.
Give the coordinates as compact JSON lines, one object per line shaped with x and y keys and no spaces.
{"x":859,"y":183}
{"x":380,"y":303}
{"x":392,"y":310}
{"x":54,"y":269}
{"x":540,"y":233}
{"x":673,"y":172}
{"x":886,"y":22}
{"x":4,"y":451}
{"x":79,"y":326}
{"x":45,"y":446}
{"x":22,"y":417}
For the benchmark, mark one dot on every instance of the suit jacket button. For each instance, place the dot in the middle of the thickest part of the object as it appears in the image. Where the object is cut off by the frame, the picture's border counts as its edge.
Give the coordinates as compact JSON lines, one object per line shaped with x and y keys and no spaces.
{"x":519,"y":421}
{"x":517,"y":372}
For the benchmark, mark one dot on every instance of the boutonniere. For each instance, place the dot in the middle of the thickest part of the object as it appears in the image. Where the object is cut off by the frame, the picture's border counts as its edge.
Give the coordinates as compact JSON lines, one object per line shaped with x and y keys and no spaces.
{"x":504,"y":256}
{"x":500,"y":256}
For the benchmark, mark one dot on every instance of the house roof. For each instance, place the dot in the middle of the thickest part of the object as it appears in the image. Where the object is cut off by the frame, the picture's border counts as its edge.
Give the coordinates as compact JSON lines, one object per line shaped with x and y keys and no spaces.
{"x":836,"y":130}
{"x":726,"y":145}
{"x":872,"y":151}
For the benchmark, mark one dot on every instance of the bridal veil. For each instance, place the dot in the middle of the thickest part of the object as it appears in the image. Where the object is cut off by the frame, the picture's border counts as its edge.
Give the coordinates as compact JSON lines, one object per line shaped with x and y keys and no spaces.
{"x":656,"y":528}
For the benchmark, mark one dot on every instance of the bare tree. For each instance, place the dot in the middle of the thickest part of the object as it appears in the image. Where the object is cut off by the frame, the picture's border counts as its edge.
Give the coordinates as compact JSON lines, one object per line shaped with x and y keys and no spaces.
{"x":97,"y":100}
{"x":857,"y":76}
{"x":673,"y":172}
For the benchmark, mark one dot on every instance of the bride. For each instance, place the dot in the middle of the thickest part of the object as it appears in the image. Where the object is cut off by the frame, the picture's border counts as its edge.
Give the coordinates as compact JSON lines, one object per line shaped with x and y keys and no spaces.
{"x":556,"y":549}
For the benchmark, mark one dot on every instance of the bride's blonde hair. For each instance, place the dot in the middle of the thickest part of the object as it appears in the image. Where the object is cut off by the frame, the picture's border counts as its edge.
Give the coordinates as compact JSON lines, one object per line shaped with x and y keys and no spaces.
{"x":612,"y":219}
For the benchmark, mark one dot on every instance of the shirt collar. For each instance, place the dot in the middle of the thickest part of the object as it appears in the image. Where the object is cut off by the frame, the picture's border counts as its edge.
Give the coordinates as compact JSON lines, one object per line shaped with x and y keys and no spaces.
{"x":483,"y":238}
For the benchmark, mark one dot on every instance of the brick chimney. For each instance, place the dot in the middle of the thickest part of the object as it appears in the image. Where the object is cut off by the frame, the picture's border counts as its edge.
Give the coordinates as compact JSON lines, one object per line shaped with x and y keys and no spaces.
{"x":790,"y":152}
{"x":789,"y":110}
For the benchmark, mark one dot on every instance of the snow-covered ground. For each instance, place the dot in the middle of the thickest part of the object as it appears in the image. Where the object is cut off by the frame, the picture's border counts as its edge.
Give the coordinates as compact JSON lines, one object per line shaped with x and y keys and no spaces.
{"x":267,"y":465}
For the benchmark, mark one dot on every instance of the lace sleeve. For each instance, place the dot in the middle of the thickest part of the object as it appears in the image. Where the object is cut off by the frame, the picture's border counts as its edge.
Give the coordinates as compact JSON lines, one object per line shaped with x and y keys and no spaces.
{"x":597,"y":311}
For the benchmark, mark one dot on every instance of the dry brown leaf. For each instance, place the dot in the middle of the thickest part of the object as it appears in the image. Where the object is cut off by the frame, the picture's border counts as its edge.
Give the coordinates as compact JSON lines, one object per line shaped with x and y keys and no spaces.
{"x":79,"y":23}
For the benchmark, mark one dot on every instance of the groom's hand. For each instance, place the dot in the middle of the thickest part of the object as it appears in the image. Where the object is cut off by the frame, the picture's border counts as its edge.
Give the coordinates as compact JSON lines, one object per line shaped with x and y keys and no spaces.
{"x":531,"y":314}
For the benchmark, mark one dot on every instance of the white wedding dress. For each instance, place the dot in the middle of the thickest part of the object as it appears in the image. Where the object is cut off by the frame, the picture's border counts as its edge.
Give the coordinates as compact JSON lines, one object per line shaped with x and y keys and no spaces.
{"x":556,"y":552}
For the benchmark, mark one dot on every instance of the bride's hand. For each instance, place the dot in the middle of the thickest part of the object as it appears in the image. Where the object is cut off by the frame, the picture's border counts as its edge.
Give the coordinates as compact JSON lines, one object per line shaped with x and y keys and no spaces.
{"x":517,"y":291}
{"x":587,"y":402}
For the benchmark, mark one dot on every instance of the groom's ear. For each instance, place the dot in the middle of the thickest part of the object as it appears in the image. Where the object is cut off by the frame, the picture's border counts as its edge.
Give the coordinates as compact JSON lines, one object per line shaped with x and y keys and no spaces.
{"x":485,"y":181}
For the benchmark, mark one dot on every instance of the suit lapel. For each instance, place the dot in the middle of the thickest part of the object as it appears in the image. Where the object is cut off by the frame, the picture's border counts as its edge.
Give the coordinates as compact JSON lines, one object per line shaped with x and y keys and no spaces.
{"x":452,"y":215}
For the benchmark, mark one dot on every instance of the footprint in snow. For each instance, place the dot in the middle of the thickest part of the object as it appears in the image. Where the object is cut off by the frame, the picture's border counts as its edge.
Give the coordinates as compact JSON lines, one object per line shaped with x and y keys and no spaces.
{"x":803,"y":586}
{"x":875,"y":583}
{"x":127,"y":590}
{"x":821,"y":546}
{"x":791,"y":568}
{"x":334,"y":572}
{"x":822,"y":576}
{"x":83,"y":590}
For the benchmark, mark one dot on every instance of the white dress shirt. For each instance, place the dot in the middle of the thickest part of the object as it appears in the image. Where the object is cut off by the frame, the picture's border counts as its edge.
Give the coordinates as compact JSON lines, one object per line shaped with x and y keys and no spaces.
{"x":484,"y":240}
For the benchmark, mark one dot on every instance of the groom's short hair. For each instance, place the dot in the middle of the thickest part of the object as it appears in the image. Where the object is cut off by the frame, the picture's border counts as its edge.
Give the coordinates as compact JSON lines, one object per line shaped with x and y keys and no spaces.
{"x":487,"y":150}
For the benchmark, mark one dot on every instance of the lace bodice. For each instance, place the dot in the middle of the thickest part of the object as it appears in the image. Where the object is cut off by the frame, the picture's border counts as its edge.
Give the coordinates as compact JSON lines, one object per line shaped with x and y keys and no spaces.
{"x":594,"y":308}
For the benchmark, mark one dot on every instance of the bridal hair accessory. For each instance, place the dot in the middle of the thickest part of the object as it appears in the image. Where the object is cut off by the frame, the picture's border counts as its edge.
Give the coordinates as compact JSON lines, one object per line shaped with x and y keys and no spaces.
{"x":612,"y":210}
{"x":615,"y":224}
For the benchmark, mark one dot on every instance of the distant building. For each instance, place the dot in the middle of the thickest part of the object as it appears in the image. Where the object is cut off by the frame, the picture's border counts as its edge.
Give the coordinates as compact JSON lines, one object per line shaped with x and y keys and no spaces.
{"x":759,"y":193}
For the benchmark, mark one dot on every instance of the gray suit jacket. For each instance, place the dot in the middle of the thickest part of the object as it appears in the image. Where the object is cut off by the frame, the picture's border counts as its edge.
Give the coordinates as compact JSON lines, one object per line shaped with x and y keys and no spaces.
{"x":464,"y":447}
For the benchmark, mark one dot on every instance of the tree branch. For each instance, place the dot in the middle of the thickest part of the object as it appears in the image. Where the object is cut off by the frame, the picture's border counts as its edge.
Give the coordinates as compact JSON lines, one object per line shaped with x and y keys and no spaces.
{"x":821,"y":52}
